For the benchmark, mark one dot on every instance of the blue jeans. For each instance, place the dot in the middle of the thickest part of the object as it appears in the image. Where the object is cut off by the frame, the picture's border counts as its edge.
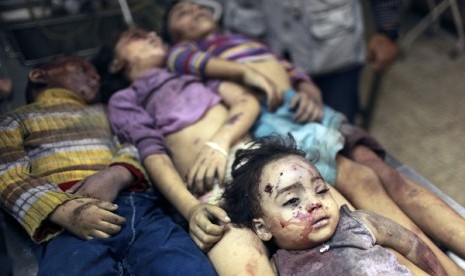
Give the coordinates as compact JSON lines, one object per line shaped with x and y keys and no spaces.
{"x":340,"y":90}
{"x":149,"y":244}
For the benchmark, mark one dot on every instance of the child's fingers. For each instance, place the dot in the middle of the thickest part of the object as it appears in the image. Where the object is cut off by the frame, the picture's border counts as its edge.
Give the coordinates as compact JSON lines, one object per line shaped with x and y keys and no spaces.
{"x":218,"y":215}
{"x":99,"y":234}
{"x":106,"y":205}
{"x":112,"y":218}
{"x":108,"y":227}
{"x":205,"y":237}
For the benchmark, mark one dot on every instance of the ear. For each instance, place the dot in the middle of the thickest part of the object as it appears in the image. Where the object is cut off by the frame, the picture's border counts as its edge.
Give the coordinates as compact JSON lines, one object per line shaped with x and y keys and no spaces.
{"x":116,"y":66}
{"x":38,"y":76}
{"x":261,"y":229}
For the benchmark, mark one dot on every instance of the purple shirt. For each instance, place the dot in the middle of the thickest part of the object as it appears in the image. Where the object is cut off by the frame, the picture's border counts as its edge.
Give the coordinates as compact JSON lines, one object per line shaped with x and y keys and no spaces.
{"x":157,"y":104}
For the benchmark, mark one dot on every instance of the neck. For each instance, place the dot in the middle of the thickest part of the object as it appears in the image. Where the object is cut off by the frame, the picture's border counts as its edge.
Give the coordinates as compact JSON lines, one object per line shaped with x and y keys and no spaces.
{"x":136,"y":72}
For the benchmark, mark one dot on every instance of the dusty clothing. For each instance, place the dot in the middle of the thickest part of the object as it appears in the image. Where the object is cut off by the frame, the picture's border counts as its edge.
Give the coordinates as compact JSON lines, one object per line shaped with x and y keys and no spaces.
{"x":50,"y":144}
{"x":157,"y":104}
{"x":350,"y":251}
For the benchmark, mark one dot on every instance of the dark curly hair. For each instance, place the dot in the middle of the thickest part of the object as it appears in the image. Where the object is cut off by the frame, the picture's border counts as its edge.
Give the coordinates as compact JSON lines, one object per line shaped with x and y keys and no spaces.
{"x":240,"y":198}
{"x":165,"y":32}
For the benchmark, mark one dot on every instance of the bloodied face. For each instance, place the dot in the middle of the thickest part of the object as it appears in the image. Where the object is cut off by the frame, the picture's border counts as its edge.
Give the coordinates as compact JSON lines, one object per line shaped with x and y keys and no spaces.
{"x":77,"y":75}
{"x":298,"y":209}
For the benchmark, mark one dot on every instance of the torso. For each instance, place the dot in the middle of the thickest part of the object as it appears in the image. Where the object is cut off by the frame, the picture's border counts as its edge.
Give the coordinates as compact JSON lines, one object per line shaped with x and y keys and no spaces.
{"x":194,"y":136}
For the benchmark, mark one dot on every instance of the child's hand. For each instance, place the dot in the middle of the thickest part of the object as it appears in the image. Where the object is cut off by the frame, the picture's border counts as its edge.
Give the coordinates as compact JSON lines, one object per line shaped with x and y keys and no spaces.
{"x":307,"y":104}
{"x":210,"y":164}
{"x":255,"y":79}
{"x":88,"y":218}
{"x":104,"y":185}
{"x":207,"y":224}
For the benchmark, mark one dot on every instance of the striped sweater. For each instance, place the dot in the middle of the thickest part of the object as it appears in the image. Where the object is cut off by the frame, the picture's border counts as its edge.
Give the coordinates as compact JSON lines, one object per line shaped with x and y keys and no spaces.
{"x":192,"y":57}
{"x":55,"y":141}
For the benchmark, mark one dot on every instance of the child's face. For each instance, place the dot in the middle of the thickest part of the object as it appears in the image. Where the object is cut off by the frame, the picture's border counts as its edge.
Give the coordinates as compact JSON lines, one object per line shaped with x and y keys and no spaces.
{"x":138,"y":48}
{"x":189,"y":21}
{"x":75,"y":75}
{"x":298,"y":209}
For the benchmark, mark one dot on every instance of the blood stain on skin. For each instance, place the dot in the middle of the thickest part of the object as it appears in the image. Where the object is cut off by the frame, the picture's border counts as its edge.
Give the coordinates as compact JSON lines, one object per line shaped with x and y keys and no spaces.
{"x":302,"y":216}
{"x":284,"y":224}
{"x":251,"y":268}
{"x":231,"y":120}
{"x":413,"y":193}
{"x":268,"y":189}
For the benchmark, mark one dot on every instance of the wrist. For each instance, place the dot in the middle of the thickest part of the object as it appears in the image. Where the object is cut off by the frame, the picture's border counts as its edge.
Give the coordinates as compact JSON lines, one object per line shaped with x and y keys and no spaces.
{"x":124,"y":177}
{"x":62,"y":213}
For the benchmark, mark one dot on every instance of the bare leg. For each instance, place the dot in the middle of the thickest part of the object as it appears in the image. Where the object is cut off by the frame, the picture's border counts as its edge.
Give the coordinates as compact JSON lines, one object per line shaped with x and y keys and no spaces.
{"x":427,"y":210}
{"x":240,"y":252}
{"x":361,"y":186}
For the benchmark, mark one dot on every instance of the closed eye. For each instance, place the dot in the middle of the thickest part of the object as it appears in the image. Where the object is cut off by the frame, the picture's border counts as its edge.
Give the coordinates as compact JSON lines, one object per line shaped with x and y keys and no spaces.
{"x":293,"y":201}
{"x":322,"y":191}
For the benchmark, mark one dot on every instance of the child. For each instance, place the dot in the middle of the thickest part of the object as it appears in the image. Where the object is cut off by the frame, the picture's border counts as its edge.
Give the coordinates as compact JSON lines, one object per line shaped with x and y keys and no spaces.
{"x":355,"y":168}
{"x":279,"y":194}
{"x":79,"y":193}
{"x":184,"y":131}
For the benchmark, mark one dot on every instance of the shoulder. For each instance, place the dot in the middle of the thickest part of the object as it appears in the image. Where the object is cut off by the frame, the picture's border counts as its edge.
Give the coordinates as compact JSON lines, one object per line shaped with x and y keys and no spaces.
{"x":365,"y":216}
{"x":122,"y":95}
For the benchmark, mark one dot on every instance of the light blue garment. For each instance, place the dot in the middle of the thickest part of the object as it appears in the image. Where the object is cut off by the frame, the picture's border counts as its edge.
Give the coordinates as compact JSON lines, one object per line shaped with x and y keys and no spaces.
{"x":321,"y":141}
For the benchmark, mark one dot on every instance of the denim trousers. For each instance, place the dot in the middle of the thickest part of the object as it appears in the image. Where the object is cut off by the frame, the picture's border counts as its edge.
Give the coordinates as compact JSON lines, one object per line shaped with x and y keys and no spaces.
{"x":340,"y":90}
{"x":149,"y":243}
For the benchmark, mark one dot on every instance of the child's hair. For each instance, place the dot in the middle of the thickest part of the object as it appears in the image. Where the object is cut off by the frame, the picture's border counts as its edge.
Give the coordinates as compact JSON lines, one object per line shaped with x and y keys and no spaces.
{"x":241,"y":197}
{"x":109,"y":82}
{"x":165,"y":32}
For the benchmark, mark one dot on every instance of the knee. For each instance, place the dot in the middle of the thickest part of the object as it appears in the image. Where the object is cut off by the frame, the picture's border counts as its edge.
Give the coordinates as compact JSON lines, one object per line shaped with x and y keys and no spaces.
{"x":363,"y":154}
{"x":367,"y":180}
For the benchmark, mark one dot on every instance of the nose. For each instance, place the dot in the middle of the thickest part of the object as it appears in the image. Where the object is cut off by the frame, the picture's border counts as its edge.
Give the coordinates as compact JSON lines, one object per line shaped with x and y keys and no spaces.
{"x":313,"y":205}
{"x":152,"y":34}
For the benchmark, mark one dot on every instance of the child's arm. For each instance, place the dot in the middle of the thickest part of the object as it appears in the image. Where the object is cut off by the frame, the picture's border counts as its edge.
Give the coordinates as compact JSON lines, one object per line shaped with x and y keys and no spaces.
{"x":243,"y":111}
{"x":29,"y":198}
{"x":391,"y":234}
{"x":105,"y":184}
{"x":207,"y":223}
{"x":133,"y":124}
{"x":186,"y":58}
{"x":308,"y":100}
